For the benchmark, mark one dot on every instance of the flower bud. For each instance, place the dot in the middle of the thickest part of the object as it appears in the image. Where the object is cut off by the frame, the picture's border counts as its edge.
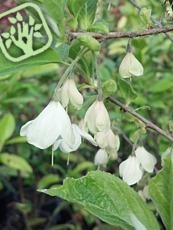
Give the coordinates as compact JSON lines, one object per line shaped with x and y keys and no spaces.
{"x":101,"y":158}
{"x":107,"y":139}
{"x":146,"y":159}
{"x":130,"y":66}
{"x":69,"y":93}
{"x":130,"y":170}
{"x":97,"y":117}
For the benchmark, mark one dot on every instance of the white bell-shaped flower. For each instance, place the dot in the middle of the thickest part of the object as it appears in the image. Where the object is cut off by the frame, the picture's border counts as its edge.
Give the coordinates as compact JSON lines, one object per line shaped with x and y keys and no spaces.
{"x":53,"y":122}
{"x":73,"y":143}
{"x":130,"y":66}
{"x":101,"y":158}
{"x":107,"y":139}
{"x":130,"y":170}
{"x":69,"y":93}
{"x":97,"y":118}
{"x":146,"y":159}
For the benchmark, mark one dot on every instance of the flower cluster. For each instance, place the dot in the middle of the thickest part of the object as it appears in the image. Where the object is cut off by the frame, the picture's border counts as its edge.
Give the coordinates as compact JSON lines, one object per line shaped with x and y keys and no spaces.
{"x":98,"y":123}
{"x":131,"y":170}
{"x":53,"y":127}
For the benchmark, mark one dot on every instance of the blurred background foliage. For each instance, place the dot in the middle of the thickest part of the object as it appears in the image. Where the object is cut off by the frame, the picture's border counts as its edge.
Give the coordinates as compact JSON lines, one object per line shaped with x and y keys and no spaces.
{"x":25,"y":89}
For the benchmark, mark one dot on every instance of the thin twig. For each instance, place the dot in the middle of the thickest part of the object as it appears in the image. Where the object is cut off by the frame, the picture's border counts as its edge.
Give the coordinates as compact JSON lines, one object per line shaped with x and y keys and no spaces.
{"x":100,"y":36}
{"x":156,"y":22}
{"x":147,"y":123}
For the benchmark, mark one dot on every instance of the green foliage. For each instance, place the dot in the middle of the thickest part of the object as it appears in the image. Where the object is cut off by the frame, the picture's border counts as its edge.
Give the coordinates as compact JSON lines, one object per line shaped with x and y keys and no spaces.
{"x":108,"y":198}
{"x":84,"y":11}
{"x":7,"y":126}
{"x":56,"y":11}
{"x":15,"y":162}
{"x":89,"y":42}
{"x":127,"y":91}
{"x":7,"y":67}
{"x":161,"y":191}
{"x":109,"y":87}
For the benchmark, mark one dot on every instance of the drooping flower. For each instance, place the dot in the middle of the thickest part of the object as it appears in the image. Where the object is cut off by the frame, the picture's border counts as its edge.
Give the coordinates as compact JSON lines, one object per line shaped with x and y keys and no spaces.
{"x":97,"y":118}
{"x":107,"y":139}
{"x":130,"y":170}
{"x":146,"y":159}
{"x":73,"y":143}
{"x":101,"y":158}
{"x":52,"y":123}
{"x":69,"y":93}
{"x":130,"y":66}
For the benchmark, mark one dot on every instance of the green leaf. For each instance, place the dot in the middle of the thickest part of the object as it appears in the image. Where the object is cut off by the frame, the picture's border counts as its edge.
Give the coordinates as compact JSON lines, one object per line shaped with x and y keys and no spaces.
{"x":99,"y":26}
{"x":31,"y":21}
{"x":161,"y":192}
{"x":56,"y":10}
{"x":12,"y":20}
{"x":109,"y":87}
{"x":84,"y":11}
{"x":145,"y":15}
{"x":5,"y":35}
{"x":161,"y":85}
{"x":62,"y":51}
{"x":7,"y":126}
{"x":48,"y":56}
{"x":89,"y":42}
{"x":47,"y":180}
{"x":87,"y":13}
{"x":37,"y":35}
{"x":108,"y":198}
{"x":15,"y":162}
{"x":16,"y":140}
{"x":127,"y":91}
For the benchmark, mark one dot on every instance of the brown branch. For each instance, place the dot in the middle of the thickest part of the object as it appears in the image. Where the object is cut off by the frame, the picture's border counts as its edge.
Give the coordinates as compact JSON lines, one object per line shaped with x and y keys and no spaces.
{"x":156,"y":22}
{"x":148,"y":124}
{"x":100,"y":36}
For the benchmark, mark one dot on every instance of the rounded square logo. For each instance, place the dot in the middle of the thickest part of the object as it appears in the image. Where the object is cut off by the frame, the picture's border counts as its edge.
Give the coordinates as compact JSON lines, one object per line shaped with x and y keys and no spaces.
{"x":27,"y":35}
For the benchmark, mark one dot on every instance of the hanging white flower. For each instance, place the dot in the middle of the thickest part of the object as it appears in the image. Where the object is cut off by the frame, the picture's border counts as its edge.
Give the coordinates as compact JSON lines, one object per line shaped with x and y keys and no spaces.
{"x":73,"y":143}
{"x":130,"y":66}
{"x":107,"y":139}
{"x":146,"y":159}
{"x":97,"y":118}
{"x":69,"y":93}
{"x":101,"y":158}
{"x":52,"y":123}
{"x":130,"y":170}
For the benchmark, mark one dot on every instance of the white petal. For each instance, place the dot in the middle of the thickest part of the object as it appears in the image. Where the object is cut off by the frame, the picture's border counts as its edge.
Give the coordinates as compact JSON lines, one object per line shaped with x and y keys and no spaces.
{"x":64,"y":94}
{"x":102,"y":119}
{"x":75,"y":97}
{"x":101,"y":157}
{"x":124,"y":67}
{"x":56,"y":144}
{"x":130,"y":170}
{"x":71,"y":144}
{"x":130,"y":66}
{"x":85,"y":135}
{"x":113,"y":140}
{"x":135,"y":69}
{"x":101,"y":139}
{"x":24,"y":128}
{"x":47,"y":127}
{"x":146,"y":159}
{"x":89,"y":118}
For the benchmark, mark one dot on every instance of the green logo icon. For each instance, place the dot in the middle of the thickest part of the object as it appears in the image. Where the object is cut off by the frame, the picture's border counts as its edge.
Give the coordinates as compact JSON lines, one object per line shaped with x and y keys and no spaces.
{"x":27,"y":35}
